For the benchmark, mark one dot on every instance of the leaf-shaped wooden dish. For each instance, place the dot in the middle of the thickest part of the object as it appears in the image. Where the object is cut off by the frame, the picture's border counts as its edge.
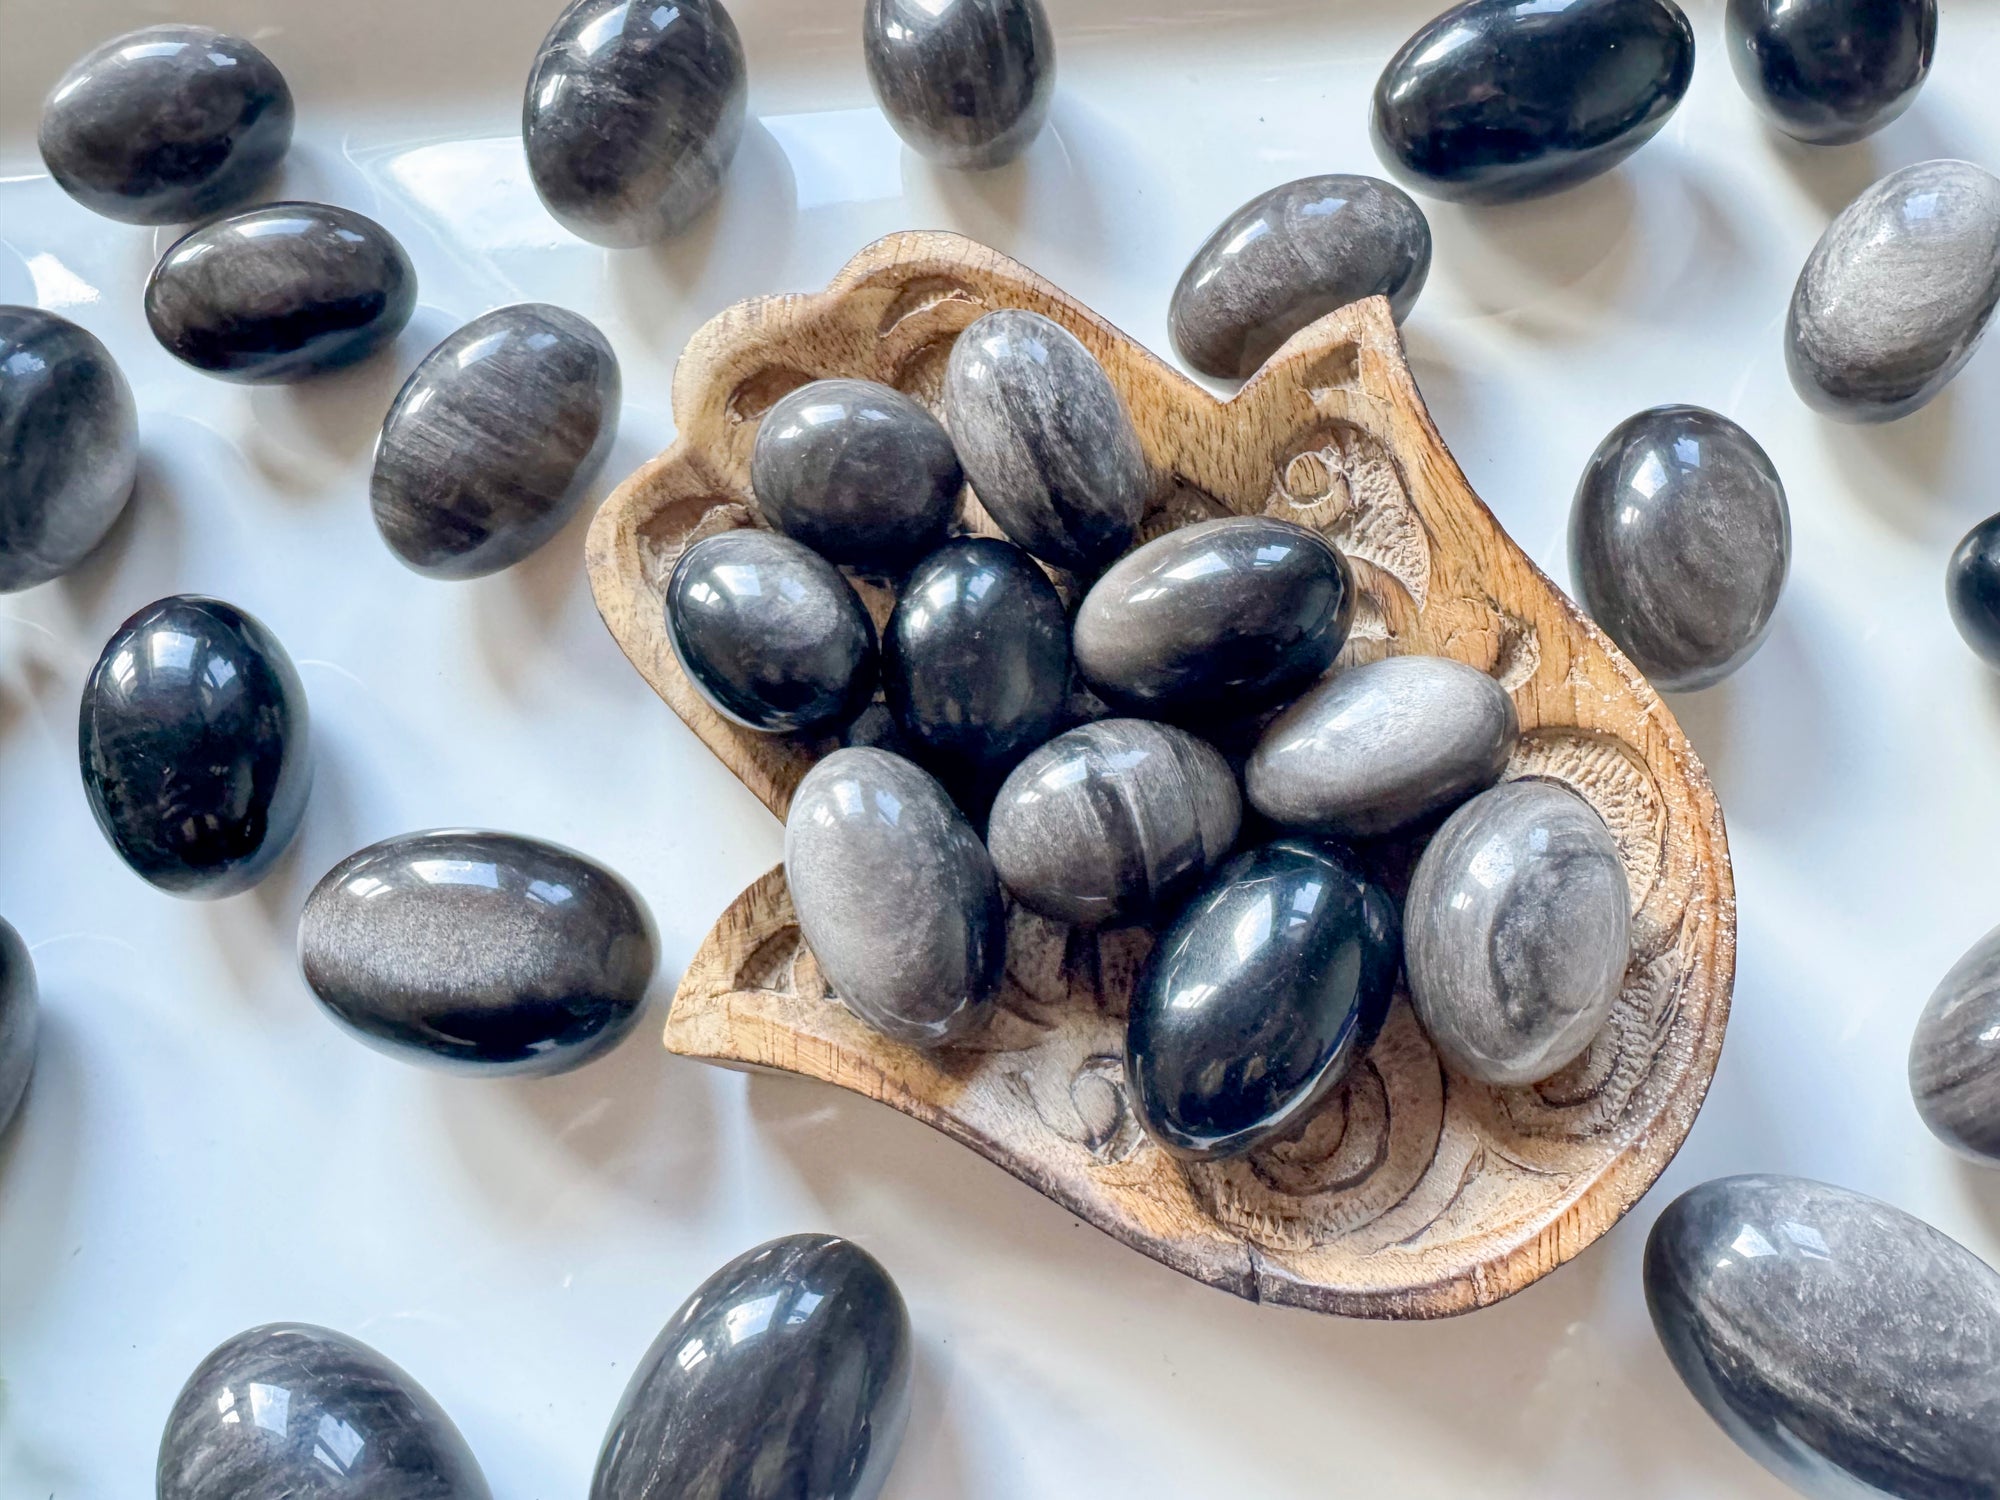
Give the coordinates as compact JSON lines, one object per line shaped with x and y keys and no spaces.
{"x":1414,"y":1193}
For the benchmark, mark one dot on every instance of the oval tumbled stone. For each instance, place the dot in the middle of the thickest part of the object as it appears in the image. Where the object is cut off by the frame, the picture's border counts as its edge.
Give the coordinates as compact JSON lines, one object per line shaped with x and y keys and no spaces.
{"x":167,"y":124}
{"x":1851,"y":1349}
{"x":632,"y":116}
{"x":494,"y":440}
{"x":1219,"y":618}
{"x":770,"y":633}
{"x":193,"y":738}
{"x":1289,"y":257}
{"x":1259,"y":998}
{"x":787,"y":1373}
{"x":896,"y":896}
{"x":1517,"y":930}
{"x":857,"y":471}
{"x":1045,"y":439}
{"x":1972,"y":589}
{"x":293,"y":1412}
{"x":281,"y":292}
{"x":1955,"y":1055}
{"x":1897,"y":293}
{"x":20,"y":1014}
{"x":1114,"y":822}
{"x":1679,"y":541}
{"x":69,"y":445}
{"x":1831,"y":71}
{"x":1381,"y":745}
{"x":482,"y":952}
{"x":967,"y":83}
{"x":1498,"y":100}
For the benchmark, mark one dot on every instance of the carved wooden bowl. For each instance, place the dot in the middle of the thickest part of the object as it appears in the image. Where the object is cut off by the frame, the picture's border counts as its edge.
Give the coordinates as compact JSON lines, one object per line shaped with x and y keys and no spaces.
{"x":1414,"y":1193}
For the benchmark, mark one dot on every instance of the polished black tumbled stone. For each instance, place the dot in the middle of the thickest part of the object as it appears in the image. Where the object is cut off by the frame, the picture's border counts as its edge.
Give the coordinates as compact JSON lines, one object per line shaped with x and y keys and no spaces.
{"x":967,"y":83}
{"x":194,"y":742}
{"x":976,"y":661}
{"x":1831,"y":71}
{"x":1498,"y":100}
{"x":167,"y":124}
{"x":1260,"y":997}
{"x":1972,"y":589}
{"x":20,"y":1016}
{"x":786,"y":1376}
{"x":770,"y":633}
{"x":278,"y":293}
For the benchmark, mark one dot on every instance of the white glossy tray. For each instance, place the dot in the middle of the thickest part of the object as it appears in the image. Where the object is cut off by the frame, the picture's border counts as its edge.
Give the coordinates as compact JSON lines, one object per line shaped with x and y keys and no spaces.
{"x":201,"y":1151}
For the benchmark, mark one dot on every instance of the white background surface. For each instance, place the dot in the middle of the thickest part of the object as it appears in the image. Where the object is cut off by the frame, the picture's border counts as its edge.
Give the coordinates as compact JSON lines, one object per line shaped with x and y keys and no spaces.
{"x":201,"y":1151}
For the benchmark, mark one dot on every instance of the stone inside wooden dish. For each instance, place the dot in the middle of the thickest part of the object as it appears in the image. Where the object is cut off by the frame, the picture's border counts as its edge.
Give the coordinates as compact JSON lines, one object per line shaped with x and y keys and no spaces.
{"x":1414,"y":1193}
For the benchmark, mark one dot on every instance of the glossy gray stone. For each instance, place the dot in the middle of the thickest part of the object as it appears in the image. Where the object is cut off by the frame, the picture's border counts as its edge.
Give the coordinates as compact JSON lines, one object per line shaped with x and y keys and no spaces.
{"x":632,"y":116}
{"x":20,"y":1015}
{"x":1955,"y":1055}
{"x":69,"y":445}
{"x":858,"y":472}
{"x":1045,"y":439}
{"x":896,"y":896}
{"x":1516,"y":932}
{"x":1114,"y":822}
{"x":1288,"y":258}
{"x":1852,"y":1350}
{"x":786,"y":1376}
{"x":167,"y":124}
{"x":1680,"y":540}
{"x":281,"y":292}
{"x":1215,"y":620}
{"x":485,"y":953}
{"x":1897,"y":293}
{"x":770,"y":633}
{"x":1378,"y":746}
{"x":494,"y":440}
{"x":293,"y":1412}
{"x":967,"y":83}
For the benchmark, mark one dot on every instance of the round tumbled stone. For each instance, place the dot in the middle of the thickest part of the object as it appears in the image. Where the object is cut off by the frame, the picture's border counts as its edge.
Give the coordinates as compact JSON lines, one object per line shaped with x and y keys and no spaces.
{"x":1955,"y":1055}
{"x":1831,"y":71}
{"x":967,"y":83}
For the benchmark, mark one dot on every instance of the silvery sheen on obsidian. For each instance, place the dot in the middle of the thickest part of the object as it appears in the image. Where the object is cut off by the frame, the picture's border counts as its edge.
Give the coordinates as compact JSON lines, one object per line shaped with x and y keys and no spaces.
{"x":1221,"y":618}
{"x":1849,"y":1348}
{"x":281,"y":292}
{"x":786,"y":1376}
{"x":194,"y":741}
{"x":1114,"y":822}
{"x":632,"y":116}
{"x":1517,"y":932}
{"x":485,"y":953}
{"x":1499,"y":100}
{"x":494,"y":440}
{"x":293,"y":1412}
{"x":1290,"y":256}
{"x":1831,"y":71}
{"x":20,"y":1016}
{"x":896,"y":896}
{"x":1972,"y":589}
{"x":1897,"y":293}
{"x":857,"y":471}
{"x":967,"y":83}
{"x":976,"y":659}
{"x":1378,"y":746}
{"x":69,"y":445}
{"x":770,"y":634}
{"x":1680,"y":540}
{"x":1955,"y":1055}
{"x":1045,"y":439}
{"x":1259,"y":998}
{"x":167,"y":124}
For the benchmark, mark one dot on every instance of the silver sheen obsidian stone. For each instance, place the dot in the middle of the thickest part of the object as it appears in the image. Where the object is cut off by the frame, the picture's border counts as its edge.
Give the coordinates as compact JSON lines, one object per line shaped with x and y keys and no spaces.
{"x":495,"y":440}
{"x":1680,"y":540}
{"x":1288,"y":258}
{"x":966,"y":83}
{"x":1849,"y":1348}
{"x":1516,"y":932}
{"x":69,"y":445}
{"x":20,"y":1014}
{"x":896,"y":896}
{"x":1955,"y":1055}
{"x":1897,"y":293}
{"x":632,"y":116}
{"x":293,"y":1412}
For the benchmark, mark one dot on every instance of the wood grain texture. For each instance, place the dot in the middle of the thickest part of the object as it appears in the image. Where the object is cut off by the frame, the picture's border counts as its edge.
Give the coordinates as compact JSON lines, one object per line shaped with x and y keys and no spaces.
{"x":1414,"y":1193}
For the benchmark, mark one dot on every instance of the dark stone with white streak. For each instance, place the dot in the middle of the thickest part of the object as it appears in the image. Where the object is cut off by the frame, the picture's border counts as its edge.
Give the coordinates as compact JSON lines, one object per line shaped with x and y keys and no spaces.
{"x":966,"y":83}
{"x":1955,"y":1055}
